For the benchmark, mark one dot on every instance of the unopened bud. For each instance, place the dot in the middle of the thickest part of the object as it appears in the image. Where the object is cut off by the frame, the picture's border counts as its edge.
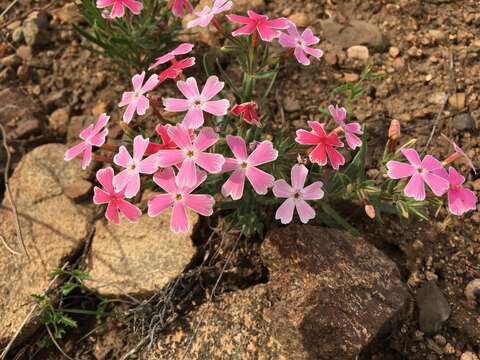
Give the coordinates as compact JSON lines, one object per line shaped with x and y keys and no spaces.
{"x":370,"y":211}
{"x":394,"y":130}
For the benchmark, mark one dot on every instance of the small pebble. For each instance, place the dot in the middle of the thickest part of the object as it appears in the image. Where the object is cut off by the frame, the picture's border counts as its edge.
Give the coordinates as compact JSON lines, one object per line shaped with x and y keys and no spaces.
{"x":449,"y":349}
{"x":472,"y":290}
{"x":394,"y":51}
{"x":358,"y":52}
{"x":468,"y":355}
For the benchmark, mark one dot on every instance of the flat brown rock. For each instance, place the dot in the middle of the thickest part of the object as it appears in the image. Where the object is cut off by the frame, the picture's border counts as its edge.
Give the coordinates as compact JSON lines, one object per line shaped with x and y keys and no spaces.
{"x":138,"y":257}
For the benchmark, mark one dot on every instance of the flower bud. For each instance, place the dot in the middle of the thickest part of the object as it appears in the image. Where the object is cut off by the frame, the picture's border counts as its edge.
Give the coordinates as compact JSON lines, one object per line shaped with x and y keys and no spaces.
{"x":394,"y":130}
{"x":370,"y":211}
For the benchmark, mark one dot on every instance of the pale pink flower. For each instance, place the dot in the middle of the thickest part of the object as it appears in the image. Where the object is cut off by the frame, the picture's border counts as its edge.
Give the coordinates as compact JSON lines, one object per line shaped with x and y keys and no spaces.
{"x":174,"y":70}
{"x":429,"y":170}
{"x":115,"y":199}
{"x":325,"y":145}
{"x":296,"y":196}
{"x":249,"y":111}
{"x":179,"y":198}
{"x":205,"y":16}
{"x":244,"y":165}
{"x":93,"y":135}
{"x":118,"y":9}
{"x":266,"y":28}
{"x":301,"y":43}
{"x":181,"y":7}
{"x":134,"y":166}
{"x":196,"y":103}
{"x":351,"y":130}
{"x":135,"y":99}
{"x":460,"y":199}
{"x":181,"y":49}
{"x":191,"y":153}
{"x":461,"y":153}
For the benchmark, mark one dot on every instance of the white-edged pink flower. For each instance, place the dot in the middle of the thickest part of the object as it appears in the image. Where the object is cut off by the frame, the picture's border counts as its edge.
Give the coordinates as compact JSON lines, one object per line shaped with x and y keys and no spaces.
{"x":460,"y":199}
{"x":182,"y":49}
{"x":136,"y":100}
{"x":179,"y":198}
{"x":196,"y":103}
{"x":190,"y":154}
{"x":118,"y":9}
{"x":429,"y":170}
{"x":268,"y":29}
{"x":350,"y":130}
{"x":244,"y":165}
{"x":115,"y":199}
{"x":296,"y":196}
{"x":301,"y":43}
{"x":181,"y":7}
{"x":93,"y":135}
{"x":205,"y":16}
{"x":134,"y":166}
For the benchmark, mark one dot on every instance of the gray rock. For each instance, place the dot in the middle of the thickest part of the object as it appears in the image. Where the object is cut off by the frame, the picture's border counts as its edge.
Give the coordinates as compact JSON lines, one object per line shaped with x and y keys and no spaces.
{"x":433,"y":308}
{"x":357,"y":32}
{"x":462,"y":122}
{"x":291,"y":104}
{"x":17,"y":35}
{"x":30,"y":32}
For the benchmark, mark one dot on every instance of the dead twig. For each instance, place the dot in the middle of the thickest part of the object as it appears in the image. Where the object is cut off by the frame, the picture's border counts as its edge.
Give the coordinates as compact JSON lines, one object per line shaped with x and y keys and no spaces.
{"x":9,"y":193}
{"x":2,"y":239}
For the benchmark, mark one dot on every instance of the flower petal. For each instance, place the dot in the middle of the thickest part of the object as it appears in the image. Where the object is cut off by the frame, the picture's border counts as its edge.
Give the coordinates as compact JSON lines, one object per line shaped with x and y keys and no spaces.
{"x":415,"y":188}
{"x":399,"y":170}
{"x":299,"y":174}
{"x":285,"y":211}
{"x":281,"y":189}
{"x":189,"y":88}
{"x":210,"y":162}
{"x":263,"y":153}
{"x":148,"y":165}
{"x":305,"y":137}
{"x":105,"y":177}
{"x":170,"y":157}
{"x":137,"y":81}
{"x":187,"y":175}
{"x":176,"y":105}
{"x":159,"y":203}
{"x":139,"y":147}
{"x":100,"y":196}
{"x":201,"y":204}
{"x":305,"y":211}
{"x":180,"y":136}
{"x":75,"y":150}
{"x":412,"y":156}
{"x":313,"y":191}
{"x":206,"y":138}
{"x":238,"y":146}
{"x":122,"y":158}
{"x":438,"y":184}
{"x":234,"y":185}
{"x":212,"y":87}
{"x":259,"y":179}
{"x":130,"y":211}
{"x":112,"y":213}
{"x":179,"y":219}
{"x":217,"y":107}
{"x":193,"y":119}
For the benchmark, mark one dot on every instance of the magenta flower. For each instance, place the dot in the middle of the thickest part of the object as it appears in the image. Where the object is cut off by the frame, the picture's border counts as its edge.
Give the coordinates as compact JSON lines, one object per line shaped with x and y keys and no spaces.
{"x":115,"y":200}
{"x":460,"y":200}
{"x":181,"y":7}
{"x":93,"y":135}
{"x":181,"y":49}
{"x":191,"y":153}
{"x":301,"y":43}
{"x":428,"y":170}
{"x":296,"y":196}
{"x":136,"y":100}
{"x":134,"y":166}
{"x":174,"y":70}
{"x":118,"y":9}
{"x":179,"y":199}
{"x":244,"y":165}
{"x":249,"y":111}
{"x":267,"y":29}
{"x":205,"y":16}
{"x":196,"y":103}
{"x":350,"y":130}
{"x":325,"y":145}
{"x":460,"y":153}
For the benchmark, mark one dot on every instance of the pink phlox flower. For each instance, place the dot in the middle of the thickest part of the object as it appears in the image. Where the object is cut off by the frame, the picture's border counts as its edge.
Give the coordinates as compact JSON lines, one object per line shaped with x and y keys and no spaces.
{"x":249,"y":111}
{"x":325,"y":145}
{"x":174,"y":70}
{"x":461,"y":153}
{"x":93,"y":135}
{"x":115,"y":199}
{"x":196,"y":103}
{"x":350,"y":130}
{"x":190,"y":154}
{"x":301,"y":43}
{"x":181,"y":49}
{"x":181,"y":7}
{"x":134,"y":166}
{"x":296,"y":196}
{"x":118,"y":9}
{"x":205,"y":16}
{"x":266,"y":28}
{"x":460,"y":199}
{"x":244,"y":165}
{"x":136,"y":100}
{"x":179,"y":198}
{"x":429,"y":170}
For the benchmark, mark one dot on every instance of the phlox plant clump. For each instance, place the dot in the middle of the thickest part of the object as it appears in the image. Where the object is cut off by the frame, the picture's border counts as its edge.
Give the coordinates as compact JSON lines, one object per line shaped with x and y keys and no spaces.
{"x":216,"y":150}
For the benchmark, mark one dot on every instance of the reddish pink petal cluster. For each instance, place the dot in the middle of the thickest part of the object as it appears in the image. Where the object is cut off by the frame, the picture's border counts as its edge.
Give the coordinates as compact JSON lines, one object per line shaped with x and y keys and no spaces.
{"x":181,"y":7}
{"x":350,"y":130}
{"x":135,"y":100}
{"x":249,"y":112}
{"x":268,"y":29}
{"x":176,"y":68}
{"x":205,"y":16}
{"x":301,"y":43}
{"x":118,"y":8}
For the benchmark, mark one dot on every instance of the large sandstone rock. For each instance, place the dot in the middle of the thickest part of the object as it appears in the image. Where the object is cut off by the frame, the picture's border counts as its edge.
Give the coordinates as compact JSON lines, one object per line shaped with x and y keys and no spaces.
{"x":329,"y":294}
{"x":357,"y":32}
{"x":53,"y":228}
{"x":139,"y":257}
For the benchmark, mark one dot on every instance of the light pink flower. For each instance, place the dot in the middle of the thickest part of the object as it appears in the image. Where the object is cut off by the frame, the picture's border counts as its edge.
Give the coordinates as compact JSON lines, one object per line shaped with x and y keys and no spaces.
{"x":249,"y":111}
{"x":301,"y":43}
{"x":296,"y":196}
{"x":179,"y":198}
{"x":267,"y":29}
{"x":181,"y":7}
{"x":351,"y":130}
{"x":191,"y":153}
{"x":460,"y":199}
{"x":174,"y":70}
{"x":244,"y":165}
{"x":196,"y":103}
{"x":325,"y":145}
{"x":118,"y":7}
{"x":428,"y":170}
{"x":461,"y":153}
{"x":205,"y":16}
{"x":114,"y":199}
{"x":93,"y":135}
{"x":134,"y":166}
{"x":181,"y":49}
{"x":135,"y":99}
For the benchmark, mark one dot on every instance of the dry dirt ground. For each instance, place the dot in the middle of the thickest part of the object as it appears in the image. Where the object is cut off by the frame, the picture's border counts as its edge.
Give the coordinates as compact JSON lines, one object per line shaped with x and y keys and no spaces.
{"x":431,"y":50}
